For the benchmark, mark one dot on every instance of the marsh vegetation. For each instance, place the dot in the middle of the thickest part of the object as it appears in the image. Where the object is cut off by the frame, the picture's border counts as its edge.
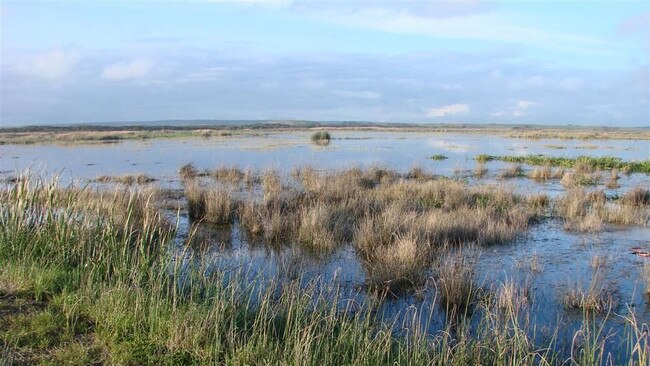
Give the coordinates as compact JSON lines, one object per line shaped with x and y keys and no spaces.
{"x":94,"y":277}
{"x":228,"y":262}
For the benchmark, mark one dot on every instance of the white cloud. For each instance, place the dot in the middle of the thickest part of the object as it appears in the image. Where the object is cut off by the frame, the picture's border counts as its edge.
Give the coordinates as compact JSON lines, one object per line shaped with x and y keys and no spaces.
{"x":523,"y":104}
{"x":489,"y":26}
{"x":519,"y":110}
{"x":357,"y":94}
{"x":51,"y":65}
{"x":127,"y":70}
{"x":448,"y":110}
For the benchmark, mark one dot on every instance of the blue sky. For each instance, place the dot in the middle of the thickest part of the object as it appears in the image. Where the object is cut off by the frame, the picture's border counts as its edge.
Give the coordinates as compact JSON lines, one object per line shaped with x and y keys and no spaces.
{"x":551,"y":62}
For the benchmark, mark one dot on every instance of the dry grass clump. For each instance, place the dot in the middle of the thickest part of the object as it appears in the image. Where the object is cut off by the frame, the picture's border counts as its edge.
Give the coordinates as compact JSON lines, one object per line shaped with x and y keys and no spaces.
{"x":214,"y":205}
{"x":380,"y":230}
{"x":399,"y":265}
{"x":541,"y":173}
{"x":580,"y":179}
{"x":188,"y":171}
{"x":274,"y":219}
{"x":126,"y":179}
{"x":324,"y":227}
{"x":419,"y":174}
{"x":480,"y":170}
{"x":513,"y":297}
{"x":219,"y":206}
{"x":483,"y":226}
{"x":228,"y":174}
{"x":598,"y":296}
{"x":545,"y":173}
{"x":538,"y":202}
{"x":613,"y":179}
{"x":271,"y":184}
{"x":582,"y":210}
{"x":513,"y":171}
{"x":455,"y":273}
{"x":590,"y":211}
{"x":637,"y":197}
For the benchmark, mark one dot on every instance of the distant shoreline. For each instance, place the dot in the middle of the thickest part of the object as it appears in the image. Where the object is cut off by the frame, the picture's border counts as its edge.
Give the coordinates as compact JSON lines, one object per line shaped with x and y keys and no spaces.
{"x":106,"y":133}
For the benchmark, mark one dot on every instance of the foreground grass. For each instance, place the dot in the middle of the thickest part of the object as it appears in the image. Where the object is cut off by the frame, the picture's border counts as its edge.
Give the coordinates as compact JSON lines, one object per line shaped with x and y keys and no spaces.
{"x":89,"y":278}
{"x":589,"y":162}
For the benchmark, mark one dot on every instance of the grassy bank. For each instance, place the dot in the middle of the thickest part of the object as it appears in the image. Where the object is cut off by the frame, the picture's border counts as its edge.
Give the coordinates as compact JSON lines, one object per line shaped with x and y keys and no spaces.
{"x":91,"y":278}
{"x":589,"y":162}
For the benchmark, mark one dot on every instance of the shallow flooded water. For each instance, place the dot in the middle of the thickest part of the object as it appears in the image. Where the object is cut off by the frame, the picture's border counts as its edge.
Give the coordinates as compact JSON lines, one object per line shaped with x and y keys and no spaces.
{"x":397,"y":150}
{"x":547,"y":260}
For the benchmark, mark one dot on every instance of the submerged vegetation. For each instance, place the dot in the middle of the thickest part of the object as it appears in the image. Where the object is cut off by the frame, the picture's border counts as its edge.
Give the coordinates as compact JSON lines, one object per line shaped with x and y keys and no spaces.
{"x":438,"y":157}
{"x":101,"y":277}
{"x":125,"y":179}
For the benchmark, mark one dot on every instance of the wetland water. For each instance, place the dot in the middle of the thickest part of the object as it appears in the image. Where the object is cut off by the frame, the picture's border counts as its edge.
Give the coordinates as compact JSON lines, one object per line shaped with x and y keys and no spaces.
{"x":548,"y":258}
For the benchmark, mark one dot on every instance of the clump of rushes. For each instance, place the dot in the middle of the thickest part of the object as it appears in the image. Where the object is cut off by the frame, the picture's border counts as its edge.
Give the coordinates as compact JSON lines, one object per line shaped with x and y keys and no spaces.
{"x":213,"y":205}
{"x":456,"y":279}
{"x":513,"y":297}
{"x":321,"y":137}
{"x":598,"y":296}
{"x":398,"y":266}
{"x":637,"y":197}
{"x":541,"y":174}
{"x":590,"y":211}
{"x":188,"y":171}
{"x":513,"y":171}
{"x":195,"y":196}
{"x":271,"y":184}
{"x":580,"y":179}
{"x":438,"y":157}
{"x":218,"y":206}
{"x":228,"y":174}
{"x":324,"y":227}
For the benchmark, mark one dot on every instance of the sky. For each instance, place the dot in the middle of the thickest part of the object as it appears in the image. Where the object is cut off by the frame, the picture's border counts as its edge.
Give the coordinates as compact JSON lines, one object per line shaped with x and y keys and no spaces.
{"x":464,"y":61}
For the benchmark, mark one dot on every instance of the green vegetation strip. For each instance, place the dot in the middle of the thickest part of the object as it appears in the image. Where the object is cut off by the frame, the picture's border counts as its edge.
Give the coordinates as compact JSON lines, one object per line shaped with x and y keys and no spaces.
{"x":437,"y":157}
{"x":601,"y":163}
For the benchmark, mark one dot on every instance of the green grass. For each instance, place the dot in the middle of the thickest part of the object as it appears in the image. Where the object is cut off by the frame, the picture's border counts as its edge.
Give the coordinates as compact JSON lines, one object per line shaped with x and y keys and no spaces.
{"x":598,"y":163}
{"x":89,"y":278}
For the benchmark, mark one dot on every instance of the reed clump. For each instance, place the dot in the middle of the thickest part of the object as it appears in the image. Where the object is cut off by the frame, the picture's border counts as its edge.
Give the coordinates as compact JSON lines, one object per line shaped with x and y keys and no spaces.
{"x":591,"y":211}
{"x":455,"y":273}
{"x":598,"y":296}
{"x":188,"y":171}
{"x":228,"y":174}
{"x":513,"y":171}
